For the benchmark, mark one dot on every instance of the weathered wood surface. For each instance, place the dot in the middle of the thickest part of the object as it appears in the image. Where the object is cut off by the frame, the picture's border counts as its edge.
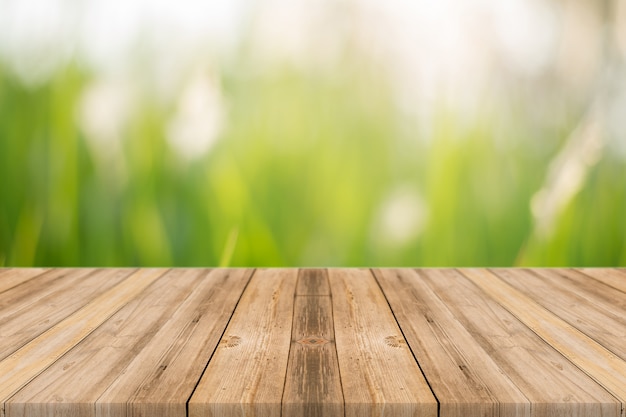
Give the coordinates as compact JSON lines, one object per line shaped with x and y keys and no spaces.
{"x":313,"y":342}
{"x":313,"y":383}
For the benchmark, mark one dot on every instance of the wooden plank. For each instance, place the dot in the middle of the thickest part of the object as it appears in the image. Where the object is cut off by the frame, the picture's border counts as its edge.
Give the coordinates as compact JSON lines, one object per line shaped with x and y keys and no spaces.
{"x":163,"y":376}
{"x":24,"y":320}
{"x":31,"y":359}
{"x":379,"y":374}
{"x":593,"y":308}
{"x":615,"y":278}
{"x":147,"y":358}
{"x":555,"y":386}
{"x":73,"y":383}
{"x":29,"y":294}
{"x":85,"y":342}
{"x":313,"y":385}
{"x":312,"y":282}
{"x":463,"y":375}
{"x":13,"y":277}
{"x":591,"y":357}
{"x":246,"y":375}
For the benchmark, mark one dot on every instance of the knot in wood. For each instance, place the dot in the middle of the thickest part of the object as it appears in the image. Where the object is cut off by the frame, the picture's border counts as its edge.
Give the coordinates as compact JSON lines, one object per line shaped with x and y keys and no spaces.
{"x":231,"y":341}
{"x":313,"y":341}
{"x":394,"y":341}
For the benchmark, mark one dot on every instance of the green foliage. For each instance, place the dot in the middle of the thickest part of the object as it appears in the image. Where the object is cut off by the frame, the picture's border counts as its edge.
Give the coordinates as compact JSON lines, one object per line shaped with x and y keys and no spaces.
{"x":300,"y":176}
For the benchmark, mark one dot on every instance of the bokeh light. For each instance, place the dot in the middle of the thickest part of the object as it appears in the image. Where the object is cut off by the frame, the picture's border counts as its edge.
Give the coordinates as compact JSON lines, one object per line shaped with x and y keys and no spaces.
{"x":312,"y":133}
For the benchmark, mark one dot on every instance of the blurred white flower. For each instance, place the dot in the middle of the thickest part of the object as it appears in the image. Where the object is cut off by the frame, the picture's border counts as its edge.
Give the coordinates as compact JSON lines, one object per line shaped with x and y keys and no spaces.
{"x":401,"y":217}
{"x":104,"y":109}
{"x":567,"y":172}
{"x":103,"y":113}
{"x":199,"y":118}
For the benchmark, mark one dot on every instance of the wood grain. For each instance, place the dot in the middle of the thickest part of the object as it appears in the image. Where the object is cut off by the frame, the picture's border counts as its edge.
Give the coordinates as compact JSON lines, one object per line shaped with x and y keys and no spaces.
{"x":464,"y":377}
{"x":145,"y":360}
{"x":73,"y":383}
{"x":12,"y":277}
{"x":378,"y":372}
{"x":313,"y":282}
{"x":30,"y":294}
{"x":26,"y":319}
{"x":162,"y":377}
{"x":615,"y":278}
{"x":312,"y":342}
{"x":590,"y":356}
{"x":596,"y":310}
{"x":246,"y":375}
{"x":312,"y":384}
{"x":31,"y":359}
{"x":515,"y":349}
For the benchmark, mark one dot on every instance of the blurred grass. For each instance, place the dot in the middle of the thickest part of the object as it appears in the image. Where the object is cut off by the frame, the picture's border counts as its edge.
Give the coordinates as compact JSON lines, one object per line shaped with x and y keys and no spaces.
{"x":298,"y":177}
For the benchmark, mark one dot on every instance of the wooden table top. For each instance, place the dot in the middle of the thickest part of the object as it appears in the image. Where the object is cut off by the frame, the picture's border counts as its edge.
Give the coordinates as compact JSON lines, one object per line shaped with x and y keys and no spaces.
{"x":313,"y":342}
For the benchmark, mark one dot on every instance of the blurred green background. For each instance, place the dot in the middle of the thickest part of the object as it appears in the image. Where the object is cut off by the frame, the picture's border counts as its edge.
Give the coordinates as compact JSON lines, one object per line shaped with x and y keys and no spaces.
{"x":328,"y":133}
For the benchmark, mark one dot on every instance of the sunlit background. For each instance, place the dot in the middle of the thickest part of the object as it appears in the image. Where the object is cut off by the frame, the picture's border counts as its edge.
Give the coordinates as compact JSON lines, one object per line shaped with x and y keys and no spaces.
{"x":312,"y":133}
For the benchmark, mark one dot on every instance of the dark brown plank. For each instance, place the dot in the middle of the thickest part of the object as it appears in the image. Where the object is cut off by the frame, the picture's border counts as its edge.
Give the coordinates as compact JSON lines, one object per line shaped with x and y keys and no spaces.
{"x":312,"y":282}
{"x":313,"y":385}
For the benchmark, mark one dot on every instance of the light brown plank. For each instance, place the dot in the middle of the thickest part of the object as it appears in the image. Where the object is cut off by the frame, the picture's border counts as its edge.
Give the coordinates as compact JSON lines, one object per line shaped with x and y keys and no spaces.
{"x":555,"y":386}
{"x":593,"y":308}
{"x":615,"y":278}
{"x":73,"y":383}
{"x":313,"y":385}
{"x":246,"y":375}
{"x":463,"y":375}
{"x":28,"y":296}
{"x":591,"y":357}
{"x":147,"y":358}
{"x":24,"y":320}
{"x":13,"y":277}
{"x":379,"y":374}
{"x":31,"y":359}
{"x":30,"y":293}
{"x":162,"y":377}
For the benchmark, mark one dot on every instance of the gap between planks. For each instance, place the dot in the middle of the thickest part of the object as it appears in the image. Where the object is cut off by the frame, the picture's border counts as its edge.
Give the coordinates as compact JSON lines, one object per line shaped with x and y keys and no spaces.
{"x":251,"y":274}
